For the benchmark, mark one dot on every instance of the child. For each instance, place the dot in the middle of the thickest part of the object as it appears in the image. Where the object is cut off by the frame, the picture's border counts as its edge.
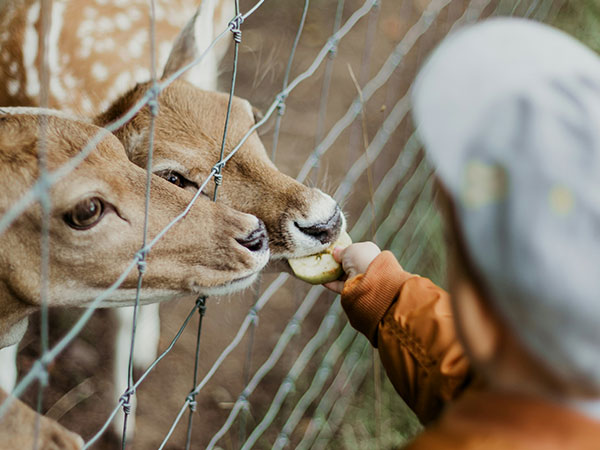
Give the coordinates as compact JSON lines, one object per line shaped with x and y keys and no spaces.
{"x":509,"y":112}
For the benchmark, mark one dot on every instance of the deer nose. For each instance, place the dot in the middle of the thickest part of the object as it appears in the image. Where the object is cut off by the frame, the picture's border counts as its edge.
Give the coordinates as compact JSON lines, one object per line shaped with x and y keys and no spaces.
{"x":257,"y":240}
{"x":324,"y":232}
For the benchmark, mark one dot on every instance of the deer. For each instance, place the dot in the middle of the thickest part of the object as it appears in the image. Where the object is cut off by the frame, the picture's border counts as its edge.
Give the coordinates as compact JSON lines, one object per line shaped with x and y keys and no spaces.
{"x":95,"y":228}
{"x":188,"y":130}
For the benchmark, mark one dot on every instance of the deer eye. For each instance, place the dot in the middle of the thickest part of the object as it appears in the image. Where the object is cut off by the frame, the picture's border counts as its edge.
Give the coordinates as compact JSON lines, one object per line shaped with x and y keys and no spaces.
{"x":174,"y":178}
{"x":85,"y":214}
{"x":177,"y":179}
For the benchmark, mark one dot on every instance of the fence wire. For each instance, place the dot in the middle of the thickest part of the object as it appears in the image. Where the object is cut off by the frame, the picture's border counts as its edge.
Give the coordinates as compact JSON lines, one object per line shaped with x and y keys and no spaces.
{"x":406,"y":229}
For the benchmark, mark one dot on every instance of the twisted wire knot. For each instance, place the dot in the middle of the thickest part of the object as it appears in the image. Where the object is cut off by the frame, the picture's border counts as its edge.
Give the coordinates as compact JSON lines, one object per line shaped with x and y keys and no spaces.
{"x":281,"y":104}
{"x":201,"y":304}
{"x":153,"y":101}
{"x":43,"y":375}
{"x":334,"y":48}
{"x":125,"y":403}
{"x":282,"y":439}
{"x":294,"y":325}
{"x":217,"y":170}
{"x":191,"y":401}
{"x":290,"y":382}
{"x":243,"y":398}
{"x":234,"y":26}
{"x":141,"y":264}
{"x":253,"y":314}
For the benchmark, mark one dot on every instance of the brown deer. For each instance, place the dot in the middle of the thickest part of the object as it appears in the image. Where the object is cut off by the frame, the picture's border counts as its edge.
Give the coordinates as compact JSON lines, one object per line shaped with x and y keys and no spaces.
{"x":98,"y":49}
{"x":95,"y":229}
{"x":189,"y":127}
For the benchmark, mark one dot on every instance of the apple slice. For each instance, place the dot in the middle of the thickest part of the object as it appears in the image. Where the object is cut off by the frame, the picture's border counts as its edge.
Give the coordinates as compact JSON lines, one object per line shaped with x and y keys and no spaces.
{"x":321,"y":267}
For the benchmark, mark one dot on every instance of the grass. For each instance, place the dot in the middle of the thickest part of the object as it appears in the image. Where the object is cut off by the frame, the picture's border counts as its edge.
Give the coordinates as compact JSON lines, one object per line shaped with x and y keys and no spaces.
{"x":581,"y":19}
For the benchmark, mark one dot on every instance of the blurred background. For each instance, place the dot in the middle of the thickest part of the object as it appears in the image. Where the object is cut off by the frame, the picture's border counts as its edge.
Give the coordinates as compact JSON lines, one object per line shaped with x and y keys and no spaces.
{"x":340,"y":398}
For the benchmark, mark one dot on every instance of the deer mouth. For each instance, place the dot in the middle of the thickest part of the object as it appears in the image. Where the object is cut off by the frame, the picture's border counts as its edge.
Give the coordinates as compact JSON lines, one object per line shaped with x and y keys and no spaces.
{"x":312,"y":235}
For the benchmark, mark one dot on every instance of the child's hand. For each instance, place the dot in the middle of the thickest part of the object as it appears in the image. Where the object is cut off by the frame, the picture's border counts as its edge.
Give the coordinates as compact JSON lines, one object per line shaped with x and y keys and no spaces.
{"x":354,"y":259}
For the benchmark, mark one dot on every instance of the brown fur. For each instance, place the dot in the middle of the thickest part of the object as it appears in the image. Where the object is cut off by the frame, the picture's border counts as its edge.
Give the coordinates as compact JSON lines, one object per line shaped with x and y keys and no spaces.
{"x":189,"y":129}
{"x":91,"y":37}
{"x":198,"y":254}
{"x":202,"y":256}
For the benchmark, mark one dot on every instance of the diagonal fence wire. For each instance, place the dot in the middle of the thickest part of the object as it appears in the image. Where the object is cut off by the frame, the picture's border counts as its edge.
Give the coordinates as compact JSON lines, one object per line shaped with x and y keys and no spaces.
{"x":41,"y":186}
{"x":351,"y":178}
{"x":393,"y":61}
{"x":335,"y":418}
{"x":329,"y":322}
{"x":397,"y":114}
{"x":474,"y":10}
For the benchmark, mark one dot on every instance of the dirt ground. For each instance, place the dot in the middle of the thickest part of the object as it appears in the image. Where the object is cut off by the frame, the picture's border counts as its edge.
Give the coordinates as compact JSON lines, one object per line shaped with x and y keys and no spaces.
{"x":80,"y":394}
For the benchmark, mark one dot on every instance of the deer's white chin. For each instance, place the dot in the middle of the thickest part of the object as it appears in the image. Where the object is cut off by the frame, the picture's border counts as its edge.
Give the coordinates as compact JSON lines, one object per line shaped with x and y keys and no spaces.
{"x":233,"y":286}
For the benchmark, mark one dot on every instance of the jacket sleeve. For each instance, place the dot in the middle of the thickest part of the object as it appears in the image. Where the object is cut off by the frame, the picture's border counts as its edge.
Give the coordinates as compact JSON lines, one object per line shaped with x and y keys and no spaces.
{"x":409,"y":319}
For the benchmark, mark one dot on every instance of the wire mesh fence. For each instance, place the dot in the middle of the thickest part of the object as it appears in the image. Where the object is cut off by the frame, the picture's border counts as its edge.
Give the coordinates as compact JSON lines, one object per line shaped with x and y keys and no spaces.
{"x":296,"y":377}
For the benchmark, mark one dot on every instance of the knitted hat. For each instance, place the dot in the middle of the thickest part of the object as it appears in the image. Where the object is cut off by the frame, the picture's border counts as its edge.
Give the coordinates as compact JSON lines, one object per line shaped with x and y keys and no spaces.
{"x":509,"y":112}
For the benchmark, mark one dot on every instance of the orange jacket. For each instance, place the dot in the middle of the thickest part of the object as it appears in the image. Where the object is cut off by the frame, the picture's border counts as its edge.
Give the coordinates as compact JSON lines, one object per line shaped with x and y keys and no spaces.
{"x":409,"y":320}
{"x":484,"y":420}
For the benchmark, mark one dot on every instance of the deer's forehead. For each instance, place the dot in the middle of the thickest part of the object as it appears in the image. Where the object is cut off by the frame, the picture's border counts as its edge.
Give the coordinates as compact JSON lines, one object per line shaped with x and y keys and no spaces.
{"x":207,"y":107}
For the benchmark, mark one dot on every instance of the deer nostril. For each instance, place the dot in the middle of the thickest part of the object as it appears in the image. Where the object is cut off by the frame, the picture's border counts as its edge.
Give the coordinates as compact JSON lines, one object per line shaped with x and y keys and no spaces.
{"x":324,"y":232}
{"x":257,"y":240}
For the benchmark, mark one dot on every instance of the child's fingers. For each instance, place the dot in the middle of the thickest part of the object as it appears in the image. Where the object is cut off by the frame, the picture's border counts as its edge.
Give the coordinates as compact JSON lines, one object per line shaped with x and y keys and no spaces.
{"x":338,"y":254}
{"x":335,"y":286}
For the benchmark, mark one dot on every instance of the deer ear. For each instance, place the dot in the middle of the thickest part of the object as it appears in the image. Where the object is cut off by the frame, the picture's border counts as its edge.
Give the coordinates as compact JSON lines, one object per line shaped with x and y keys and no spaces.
{"x":194,"y":39}
{"x":258,"y":114}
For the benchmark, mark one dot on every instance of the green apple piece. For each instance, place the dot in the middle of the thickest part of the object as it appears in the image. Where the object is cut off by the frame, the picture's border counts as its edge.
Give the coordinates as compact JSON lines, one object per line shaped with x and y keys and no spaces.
{"x":321,"y":267}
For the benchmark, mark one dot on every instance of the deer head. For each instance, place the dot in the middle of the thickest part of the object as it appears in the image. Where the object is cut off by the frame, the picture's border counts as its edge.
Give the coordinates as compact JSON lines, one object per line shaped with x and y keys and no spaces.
{"x":189,"y":127}
{"x":299,"y":220}
{"x":96,"y":225}
{"x":188,"y":134}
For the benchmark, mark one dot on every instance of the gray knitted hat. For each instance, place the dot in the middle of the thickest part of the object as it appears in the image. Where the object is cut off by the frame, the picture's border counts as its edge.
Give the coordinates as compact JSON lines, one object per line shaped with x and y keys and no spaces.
{"x":509,"y":112}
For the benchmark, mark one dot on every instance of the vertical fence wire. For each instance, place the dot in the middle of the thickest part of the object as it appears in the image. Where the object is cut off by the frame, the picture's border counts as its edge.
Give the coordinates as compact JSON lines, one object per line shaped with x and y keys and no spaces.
{"x":365,"y":64}
{"x":45,"y":205}
{"x":280,"y":112}
{"x":141,"y":264}
{"x":218,"y":179}
{"x":320,"y":126}
{"x":248,"y":359}
{"x":286,"y":77}
{"x":201,"y":302}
